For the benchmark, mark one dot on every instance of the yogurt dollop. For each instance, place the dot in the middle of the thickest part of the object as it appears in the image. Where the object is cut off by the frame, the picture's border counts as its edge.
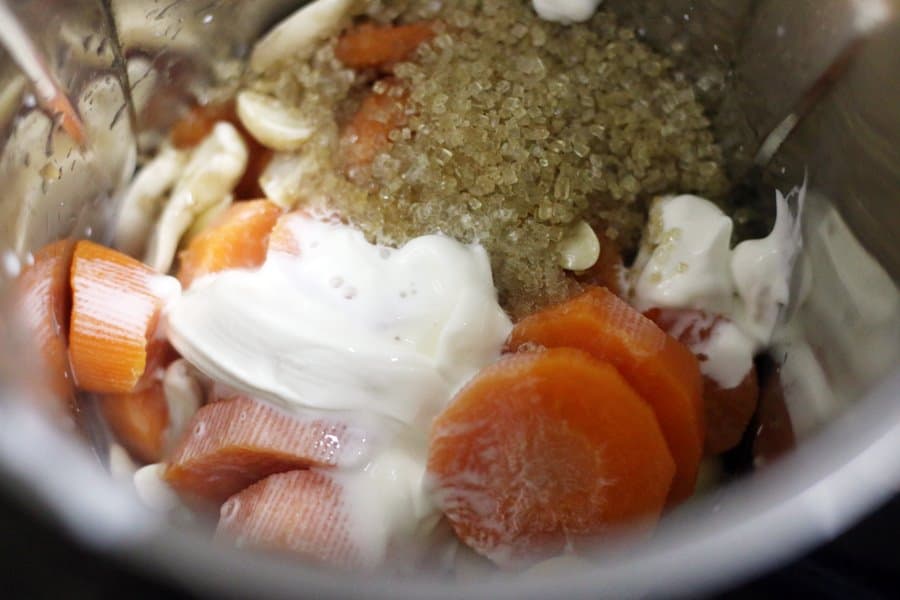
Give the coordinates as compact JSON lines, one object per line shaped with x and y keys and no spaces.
{"x":380,"y":336}
{"x":686,"y":261}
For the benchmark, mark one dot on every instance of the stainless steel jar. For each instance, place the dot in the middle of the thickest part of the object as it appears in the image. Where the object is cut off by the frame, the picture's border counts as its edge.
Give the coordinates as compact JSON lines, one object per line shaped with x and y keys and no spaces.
{"x":799,"y":90}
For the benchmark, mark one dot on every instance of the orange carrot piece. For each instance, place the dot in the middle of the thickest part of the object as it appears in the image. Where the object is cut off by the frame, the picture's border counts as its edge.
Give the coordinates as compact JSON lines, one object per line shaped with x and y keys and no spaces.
{"x":43,"y":303}
{"x":366,"y":135}
{"x":238,"y":239}
{"x":773,"y":432}
{"x":233,"y":443}
{"x":67,"y":116}
{"x":198,"y":123}
{"x":727,"y":411}
{"x":115,"y":309}
{"x":370,"y":46}
{"x":545,"y":449}
{"x":138,"y":420}
{"x":284,"y":238}
{"x":303,"y":513}
{"x":662,"y":370}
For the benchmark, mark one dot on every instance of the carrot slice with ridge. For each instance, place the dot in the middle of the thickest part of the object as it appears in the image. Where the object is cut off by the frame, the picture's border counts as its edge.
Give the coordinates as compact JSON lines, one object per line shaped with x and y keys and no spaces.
{"x":727,"y":411}
{"x":43,"y":303}
{"x":116,"y":301}
{"x":370,"y":46}
{"x":299,"y":512}
{"x":543,"y":450}
{"x":367,"y":133}
{"x":662,"y":370}
{"x":233,"y":443}
{"x":238,"y":239}
{"x":138,"y":420}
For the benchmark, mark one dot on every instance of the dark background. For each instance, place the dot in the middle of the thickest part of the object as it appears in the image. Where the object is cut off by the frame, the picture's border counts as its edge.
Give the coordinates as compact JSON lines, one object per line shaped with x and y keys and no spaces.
{"x":37,"y":563}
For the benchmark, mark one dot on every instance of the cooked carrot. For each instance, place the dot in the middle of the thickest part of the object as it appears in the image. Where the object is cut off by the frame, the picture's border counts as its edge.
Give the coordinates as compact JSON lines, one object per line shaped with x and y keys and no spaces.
{"x":238,"y":239}
{"x":284,"y":238}
{"x":727,"y":411}
{"x":233,"y":443}
{"x":772,"y":430}
{"x":663,"y":371}
{"x":198,"y":123}
{"x":300,"y":512}
{"x":367,"y":133}
{"x":67,"y":116}
{"x":543,"y":450}
{"x":116,"y":302}
{"x":258,"y":158}
{"x":370,"y":46}
{"x":138,"y":420}
{"x":44,"y":302}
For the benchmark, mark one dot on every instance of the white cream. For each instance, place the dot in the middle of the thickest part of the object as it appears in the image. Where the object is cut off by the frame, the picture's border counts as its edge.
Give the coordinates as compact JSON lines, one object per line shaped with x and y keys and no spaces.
{"x":686,"y":262}
{"x":381,"y":336}
{"x":153,"y":490}
{"x":566,"y":11}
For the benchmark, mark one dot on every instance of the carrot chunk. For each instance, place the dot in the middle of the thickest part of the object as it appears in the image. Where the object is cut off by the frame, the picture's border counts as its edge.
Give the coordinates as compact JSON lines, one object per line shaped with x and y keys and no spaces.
{"x":662,"y":370}
{"x":284,"y":237}
{"x":727,"y":411}
{"x":370,"y":46}
{"x":367,"y":133}
{"x":116,"y":301}
{"x":300,"y":512}
{"x":43,"y":303}
{"x":198,"y":123}
{"x":238,"y":239}
{"x":545,"y":449}
{"x":139,"y":421}
{"x":233,"y":443}
{"x":773,"y":432}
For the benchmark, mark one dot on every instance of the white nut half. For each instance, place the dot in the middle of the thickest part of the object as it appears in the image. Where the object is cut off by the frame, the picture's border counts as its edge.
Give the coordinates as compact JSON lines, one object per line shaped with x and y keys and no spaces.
{"x":271,"y":123}
{"x":298,"y":35}
{"x":579,"y":249}
{"x":215,"y":167}
{"x":144,"y":200}
{"x":183,"y":398}
{"x":284,"y":178}
{"x":153,"y":490}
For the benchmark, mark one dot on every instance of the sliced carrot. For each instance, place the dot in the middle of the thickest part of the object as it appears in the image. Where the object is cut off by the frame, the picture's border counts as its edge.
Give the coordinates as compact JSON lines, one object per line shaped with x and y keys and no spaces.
{"x":543,"y":450}
{"x":284,"y":237}
{"x":367,"y":133}
{"x":138,"y":420}
{"x":63,"y":110}
{"x":773,"y":432}
{"x":258,"y":158}
{"x":300,"y":512}
{"x":663,"y":371}
{"x":238,"y":239}
{"x":198,"y":123}
{"x":116,"y":302}
{"x":727,"y":411}
{"x":44,"y":302}
{"x":233,"y":443}
{"x":370,"y":46}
